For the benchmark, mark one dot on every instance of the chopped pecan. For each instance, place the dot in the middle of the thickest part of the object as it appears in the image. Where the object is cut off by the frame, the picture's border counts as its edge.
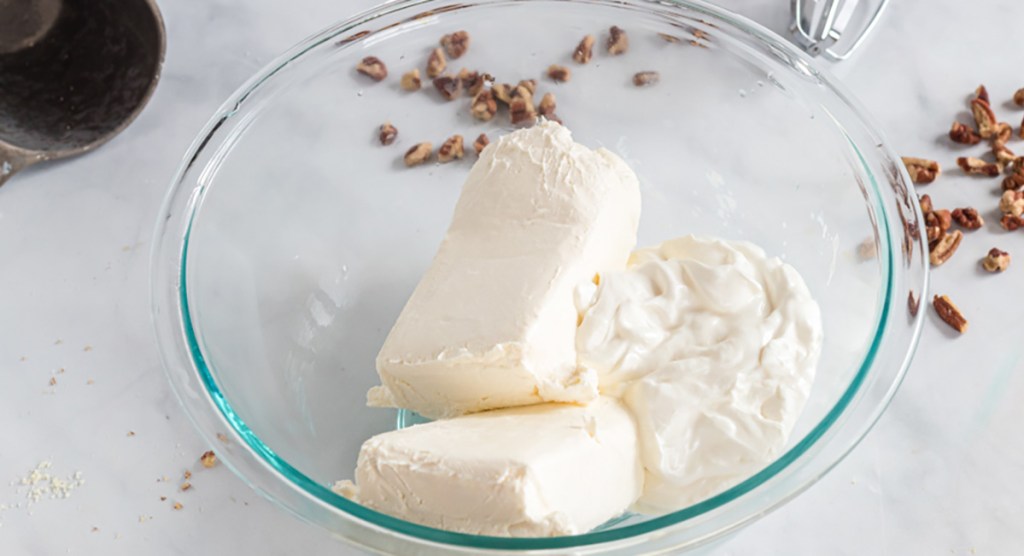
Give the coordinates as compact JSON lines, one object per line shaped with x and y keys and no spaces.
{"x":932,"y":233}
{"x":941,"y":218}
{"x":945,"y":247}
{"x":528,"y":84}
{"x":921,"y":170}
{"x":559,"y":73}
{"x":618,"y":42}
{"x":984,"y":117}
{"x":502,"y":92}
{"x":484,"y":107}
{"x":521,"y":110}
{"x":982,"y":93}
{"x":584,"y":50}
{"x":481,"y":142}
{"x":670,"y":38}
{"x":411,"y":80}
{"x":1010,"y":222}
{"x":996,"y":260}
{"x":1018,"y":97}
{"x":372,"y":67}
{"x":449,"y":87}
{"x":547,"y":107}
{"x":926,"y":203}
{"x":472,"y":81}
{"x":455,"y":44}
{"x":646,"y":78}
{"x":1015,"y":180}
{"x":968,"y":218}
{"x":963,"y":134}
{"x":867,"y":249}
{"x":388,"y":133}
{"x":1002,"y":135}
{"x":208,"y":459}
{"x":977,"y":166}
{"x":436,"y":63}
{"x":451,"y":149}
{"x":1004,"y":156}
{"x":913,"y":304}
{"x":418,"y":154}
{"x":1012,"y":203}
{"x":949,"y":313}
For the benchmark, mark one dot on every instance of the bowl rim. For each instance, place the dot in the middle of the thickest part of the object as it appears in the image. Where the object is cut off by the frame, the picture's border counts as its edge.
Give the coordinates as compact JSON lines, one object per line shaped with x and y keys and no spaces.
{"x":176,"y":334}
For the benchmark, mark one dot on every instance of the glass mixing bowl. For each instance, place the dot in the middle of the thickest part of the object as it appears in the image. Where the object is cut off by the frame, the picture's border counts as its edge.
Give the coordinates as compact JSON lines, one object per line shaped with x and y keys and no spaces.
{"x":290,"y":238}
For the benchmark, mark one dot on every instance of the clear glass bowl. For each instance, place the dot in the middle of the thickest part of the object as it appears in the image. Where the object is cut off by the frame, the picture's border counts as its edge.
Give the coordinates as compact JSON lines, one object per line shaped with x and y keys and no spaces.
{"x":290,"y":238}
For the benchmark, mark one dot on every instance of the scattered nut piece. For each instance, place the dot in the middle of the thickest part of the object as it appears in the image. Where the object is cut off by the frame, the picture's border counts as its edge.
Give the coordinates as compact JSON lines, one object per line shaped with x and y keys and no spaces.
{"x":1014,"y":181}
{"x":436,"y":63}
{"x":1018,"y":97}
{"x":1012,"y":203}
{"x":926,"y":203}
{"x":481,"y":142}
{"x":53,"y":381}
{"x":996,"y":260}
{"x":472,"y":81}
{"x":1011,"y":223}
{"x":618,"y":42}
{"x":945,"y":247}
{"x":208,"y":459}
{"x":1004,"y":156}
{"x":528,"y":84}
{"x":559,"y":73}
{"x":178,"y":506}
{"x":963,"y":134}
{"x":982,"y":93}
{"x":388,"y":133}
{"x":867,"y":249}
{"x":670,"y":38}
{"x":913,"y":304}
{"x":483,"y":106}
{"x":449,"y":87}
{"x":418,"y":154}
{"x":584,"y":50}
{"x":921,"y":170}
{"x":949,"y":313}
{"x":521,"y":110}
{"x":977,"y":166}
{"x":547,"y":107}
{"x":1003,"y":134}
{"x":411,"y":80}
{"x":455,"y":44}
{"x":451,"y":149}
{"x":941,"y":218}
{"x":372,"y":67}
{"x":187,"y":474}
{"x":185,"y":486}
{"x":502,"y":92}
{"x":646,"y":78}
{"x":984,"y":117}
{"x":968,"y":218}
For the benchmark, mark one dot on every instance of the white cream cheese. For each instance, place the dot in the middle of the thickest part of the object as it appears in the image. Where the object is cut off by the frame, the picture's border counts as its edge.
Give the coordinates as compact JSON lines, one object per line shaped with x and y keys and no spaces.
{"x":712,"y":346}
{"x":492,"y":323}
{"x":537,"y":471}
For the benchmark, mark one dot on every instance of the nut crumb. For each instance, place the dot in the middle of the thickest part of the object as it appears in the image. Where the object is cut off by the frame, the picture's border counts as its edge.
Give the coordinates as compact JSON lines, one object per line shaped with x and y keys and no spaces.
{"x":996,"y":260}
{"x":436,"y":63}
{"x":961,"y":133}
{"x":53,"y":381}
{"x":372,"y":67}
{"x":185,"y":486}
{"x":131,"y":433}
{"x":584,"y":50}
{"x":87,"y":348}
{"x":670,"y":38}
{"x":484,"y":106}
{"x":1018,"y":97}
{"x":208,"y":459}
{"x":949,"y":313}
{"x":418,"y":154}
{"x":867,"y":249}
{"x":977,"y":166}
{"x":984,"y":117}
{"x":944,"y":248}
{"x":222,"y":437}
{"x":451,"y":149}
{"x":502,"y":92}
{"x":547,"y":107}
{"x":558,"y":73}
{"x":387,"y":133}
{"x":618,"y":41}
{"x":449,"y":87}
{"x":1004,"y":156}
{"x":646,"y":78}
{"x":163,"y":498}
{"x":455,"y":44}
{"x":178,"y":506}
{"x":968,"y":218}
{"x":528,"y":84}
{"x":481,"y":142}
{"x":472,"y":81}
{"x":921,"y":170}
{"x":411,"y":80}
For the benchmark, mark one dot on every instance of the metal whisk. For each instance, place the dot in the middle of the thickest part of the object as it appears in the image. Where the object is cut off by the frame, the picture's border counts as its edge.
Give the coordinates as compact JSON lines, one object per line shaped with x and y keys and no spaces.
{"x":820,"y":25}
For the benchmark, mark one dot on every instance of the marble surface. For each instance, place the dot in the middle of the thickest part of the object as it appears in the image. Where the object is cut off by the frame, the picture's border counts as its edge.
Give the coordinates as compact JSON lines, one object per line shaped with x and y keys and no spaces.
{"x":81,"y":384}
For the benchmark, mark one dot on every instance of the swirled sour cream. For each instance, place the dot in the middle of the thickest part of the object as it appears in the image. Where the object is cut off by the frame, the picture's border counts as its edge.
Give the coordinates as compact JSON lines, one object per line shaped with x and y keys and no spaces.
{"x":713,"y":347}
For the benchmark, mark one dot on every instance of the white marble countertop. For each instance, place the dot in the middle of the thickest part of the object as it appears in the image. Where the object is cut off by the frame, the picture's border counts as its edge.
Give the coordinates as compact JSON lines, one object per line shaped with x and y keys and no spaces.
{"x":941,"y":473}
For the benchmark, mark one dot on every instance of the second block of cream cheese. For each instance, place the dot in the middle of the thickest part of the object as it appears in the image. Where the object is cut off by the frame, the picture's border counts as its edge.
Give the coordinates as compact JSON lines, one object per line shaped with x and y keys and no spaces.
{"x":492,"y":323}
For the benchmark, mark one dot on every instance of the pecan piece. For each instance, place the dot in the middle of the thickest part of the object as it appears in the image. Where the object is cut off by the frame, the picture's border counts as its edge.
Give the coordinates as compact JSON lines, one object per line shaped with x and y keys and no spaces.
{"x":521,"y":110}
{"x":484,"y":107}
{"x":941,"y":218}
{"x":502,"y":92}
{"x":372,"y":67}
{"x":867,"y":249}
{"x":984,"y":117}
{"x":1018,"y":97}
{"x":949,"y":313}
{"x":528,"y":84}
{"x":547,"y":107}
{"x":618,"y":42}
{"x":418,"y":154}
{"x":472,"y":81}
{"x":968,"y":218}
{"x":208,"y":459}
{"x":481,"y":142}
{"x":1004,"y":156}
{"x":963,"y":134}
{"x":646,"y":78}
{"x":455,"y":44}
{"x":451,"y":149}
{"x":977,"y":166}
{"x":436,"y":63}
{"x":1014,"y":181}
{"x":558,"y":73}
{"x":411,"y":80}
{"x":449,"y":87}
{"x":922,"y":171}
{"x":996,"y":260}
{"x":926,"y":204}
{"x":1012,"y":203}
{"x":913,"y":304}
{"x":982,"y":93}
{"x":584,"y":50}
{"x":1003,"y":134}
{"x":1010,"y":222}
{"x":945,"y":247}
{"x":387,"y":134}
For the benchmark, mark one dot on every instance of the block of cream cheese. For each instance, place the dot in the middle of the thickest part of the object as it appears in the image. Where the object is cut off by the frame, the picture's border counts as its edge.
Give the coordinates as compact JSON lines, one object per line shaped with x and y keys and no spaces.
{"x":492,"y":323}
{"x":537,"y":471}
